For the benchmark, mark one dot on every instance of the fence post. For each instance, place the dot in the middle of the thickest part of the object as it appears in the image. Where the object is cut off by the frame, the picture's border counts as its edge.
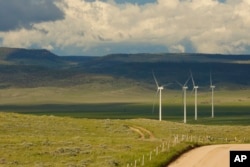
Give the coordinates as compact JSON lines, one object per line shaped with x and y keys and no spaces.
{"x":175,"y":140}
{"x":150,"y":155}
{"x":142,"y":161}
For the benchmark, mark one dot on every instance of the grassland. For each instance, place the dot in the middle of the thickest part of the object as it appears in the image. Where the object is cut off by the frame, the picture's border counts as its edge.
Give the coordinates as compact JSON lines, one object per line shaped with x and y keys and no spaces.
{"x":105,"y":125}
{"x":28,"y":140}
{"x":111,"y":102}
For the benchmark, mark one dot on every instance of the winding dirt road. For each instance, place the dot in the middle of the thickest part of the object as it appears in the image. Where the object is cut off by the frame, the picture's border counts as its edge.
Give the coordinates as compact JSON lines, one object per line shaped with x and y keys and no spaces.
{"x":143,"y":133}
{"x":208,"y":156}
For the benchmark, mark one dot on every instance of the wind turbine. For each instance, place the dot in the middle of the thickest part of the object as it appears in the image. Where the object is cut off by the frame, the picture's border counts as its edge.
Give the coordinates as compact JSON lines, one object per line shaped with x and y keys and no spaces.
{"x":159,"y":89}
{"x":212,"y":88}
{"x":184,"y":88}
{"x":195,"y":87}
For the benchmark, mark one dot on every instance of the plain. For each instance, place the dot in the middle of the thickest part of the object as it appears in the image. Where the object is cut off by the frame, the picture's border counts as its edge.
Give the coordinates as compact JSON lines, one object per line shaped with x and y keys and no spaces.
{"x":113,"y":126}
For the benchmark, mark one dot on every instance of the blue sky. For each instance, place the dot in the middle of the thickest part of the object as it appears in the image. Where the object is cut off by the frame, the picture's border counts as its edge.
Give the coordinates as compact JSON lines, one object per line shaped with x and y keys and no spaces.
{"x":101,"y":27}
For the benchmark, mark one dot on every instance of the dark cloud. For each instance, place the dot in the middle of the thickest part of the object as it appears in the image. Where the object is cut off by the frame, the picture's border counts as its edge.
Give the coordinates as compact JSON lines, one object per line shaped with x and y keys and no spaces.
{"x":15,"y":13}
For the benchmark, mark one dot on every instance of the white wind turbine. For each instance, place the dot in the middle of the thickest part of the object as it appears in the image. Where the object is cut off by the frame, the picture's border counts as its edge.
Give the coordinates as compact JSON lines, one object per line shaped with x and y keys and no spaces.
{"x":184,"y":88}
{"x":159,"y":89}
{"x":212,"y":88}
{"x":195,"y":87}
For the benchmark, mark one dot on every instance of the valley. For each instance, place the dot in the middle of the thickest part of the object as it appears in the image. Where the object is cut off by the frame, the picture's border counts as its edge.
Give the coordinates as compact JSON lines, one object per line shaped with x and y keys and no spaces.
{"x":104,"y":111}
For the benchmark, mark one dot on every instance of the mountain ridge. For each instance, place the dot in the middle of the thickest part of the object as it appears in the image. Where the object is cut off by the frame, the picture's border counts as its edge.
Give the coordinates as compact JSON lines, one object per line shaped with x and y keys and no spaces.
{"x":40,"y":67}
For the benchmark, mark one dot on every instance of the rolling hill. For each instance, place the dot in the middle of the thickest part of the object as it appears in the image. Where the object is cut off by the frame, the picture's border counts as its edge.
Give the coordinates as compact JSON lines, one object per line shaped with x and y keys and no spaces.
{"x":36,"y":68}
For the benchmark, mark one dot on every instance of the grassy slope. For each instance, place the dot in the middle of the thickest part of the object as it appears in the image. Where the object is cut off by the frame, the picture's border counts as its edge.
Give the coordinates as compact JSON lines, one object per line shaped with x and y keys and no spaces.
{"x":59,"y":141}
{"x":62,"y":141}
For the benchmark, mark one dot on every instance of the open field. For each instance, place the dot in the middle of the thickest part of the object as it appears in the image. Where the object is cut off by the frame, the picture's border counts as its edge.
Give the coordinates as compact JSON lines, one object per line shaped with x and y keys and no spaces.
{"x":116,"y":126}
{"x":225,"y":115}
{"x":28,"y":140}
{"x":107,"y":102}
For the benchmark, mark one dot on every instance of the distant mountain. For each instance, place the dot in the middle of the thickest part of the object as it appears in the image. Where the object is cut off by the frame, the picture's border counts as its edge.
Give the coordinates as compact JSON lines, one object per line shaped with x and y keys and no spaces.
{"x":32,"y":68}
{"x":226,"y":69}
{"x":177,"y":57}
{"x":41,"y":57}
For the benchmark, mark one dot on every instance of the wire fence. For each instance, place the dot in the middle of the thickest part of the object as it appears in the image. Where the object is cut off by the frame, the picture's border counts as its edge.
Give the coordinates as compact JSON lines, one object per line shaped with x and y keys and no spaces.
{"x":166,"y":146}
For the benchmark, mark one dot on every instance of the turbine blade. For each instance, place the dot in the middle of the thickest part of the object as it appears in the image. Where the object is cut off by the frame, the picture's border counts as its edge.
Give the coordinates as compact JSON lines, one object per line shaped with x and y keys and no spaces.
{"x":187,"y":81}
{"x":155,"y":98}
{"x":183,"y":96}
{"x":192,"y":78}
{"x":155,"y":79}
{"x":179,"y":83}
{"x":211,"y":83}
{"x":192,"y":91}
{"x":165,"y":85}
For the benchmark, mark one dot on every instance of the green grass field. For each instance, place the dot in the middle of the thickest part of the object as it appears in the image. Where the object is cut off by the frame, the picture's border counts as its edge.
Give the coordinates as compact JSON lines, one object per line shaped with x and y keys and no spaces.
{"x":82,"y":126}
{"x":28,"y":140}
{"x":231,"y":108}
{"x":224,"y":115}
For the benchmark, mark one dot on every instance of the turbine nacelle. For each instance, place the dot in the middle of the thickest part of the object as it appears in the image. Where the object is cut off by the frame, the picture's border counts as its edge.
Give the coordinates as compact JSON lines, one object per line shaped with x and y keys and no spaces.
{"x":196,"y":87}
{"x":212,"y":86}
{"x":184,"y":87}
{"x":160,"y":88}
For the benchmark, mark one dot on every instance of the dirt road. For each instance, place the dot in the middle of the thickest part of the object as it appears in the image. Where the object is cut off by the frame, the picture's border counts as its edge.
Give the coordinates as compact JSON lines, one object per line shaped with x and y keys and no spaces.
{"x":207,"y":156}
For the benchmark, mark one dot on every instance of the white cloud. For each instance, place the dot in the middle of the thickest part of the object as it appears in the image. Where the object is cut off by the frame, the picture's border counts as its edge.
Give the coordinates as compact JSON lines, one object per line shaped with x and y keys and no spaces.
{"x":209,"y":25}
{"x":177,"y":48}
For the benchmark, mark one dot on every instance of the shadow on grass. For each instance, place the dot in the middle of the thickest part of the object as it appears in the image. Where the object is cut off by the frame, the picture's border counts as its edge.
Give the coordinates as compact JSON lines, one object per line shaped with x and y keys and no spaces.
{"x":224,"y":115}
{"x":96,"y":111}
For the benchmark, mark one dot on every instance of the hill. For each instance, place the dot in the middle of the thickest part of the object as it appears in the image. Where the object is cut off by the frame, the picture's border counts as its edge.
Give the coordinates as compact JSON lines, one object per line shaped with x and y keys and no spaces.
{"x":226,"y":70}
{"x":36,"y":68}
{"x":38,"y":57}
{"x":28,"y":140}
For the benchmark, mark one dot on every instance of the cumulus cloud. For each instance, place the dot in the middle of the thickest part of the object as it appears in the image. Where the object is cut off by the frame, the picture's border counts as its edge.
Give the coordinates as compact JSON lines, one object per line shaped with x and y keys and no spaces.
{"x":101,"y":27}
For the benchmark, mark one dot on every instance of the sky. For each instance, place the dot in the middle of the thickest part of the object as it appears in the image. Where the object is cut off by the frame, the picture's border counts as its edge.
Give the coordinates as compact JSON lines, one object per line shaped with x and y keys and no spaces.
{"x":101,"y":27}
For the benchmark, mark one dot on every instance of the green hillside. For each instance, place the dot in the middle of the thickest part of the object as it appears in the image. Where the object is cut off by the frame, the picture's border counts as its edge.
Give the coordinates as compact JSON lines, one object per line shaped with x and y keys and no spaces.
{"x":58,"y":141}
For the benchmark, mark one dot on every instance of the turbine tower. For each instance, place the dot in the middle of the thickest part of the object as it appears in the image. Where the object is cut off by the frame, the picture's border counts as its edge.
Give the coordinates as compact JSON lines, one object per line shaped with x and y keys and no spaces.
{"x":212,"y":100}
{"x":159,"y":89}
{"x":184,"y":88}
{"x":195,"y":87}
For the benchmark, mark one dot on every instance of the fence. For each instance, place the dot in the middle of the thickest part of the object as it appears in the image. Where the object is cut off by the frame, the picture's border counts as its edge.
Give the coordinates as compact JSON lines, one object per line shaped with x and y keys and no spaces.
{"x":176,"y":139}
